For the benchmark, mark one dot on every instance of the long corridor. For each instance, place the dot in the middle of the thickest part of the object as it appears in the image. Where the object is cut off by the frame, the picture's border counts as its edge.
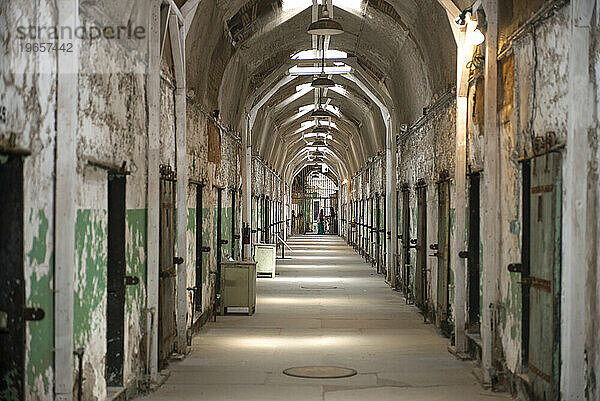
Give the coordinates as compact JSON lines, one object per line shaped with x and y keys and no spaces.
{"x":326,"y":307}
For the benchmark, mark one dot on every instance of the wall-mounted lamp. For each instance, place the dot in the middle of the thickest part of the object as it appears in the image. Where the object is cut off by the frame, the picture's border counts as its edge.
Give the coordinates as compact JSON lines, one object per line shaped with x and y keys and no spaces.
{"x":461,"y":20}
{"x":475,"y":37}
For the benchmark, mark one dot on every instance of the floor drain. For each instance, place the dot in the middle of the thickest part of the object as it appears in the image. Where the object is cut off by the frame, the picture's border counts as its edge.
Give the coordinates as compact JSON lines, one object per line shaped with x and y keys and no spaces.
{"x":318,"y":287}
{"x":320,"y":372}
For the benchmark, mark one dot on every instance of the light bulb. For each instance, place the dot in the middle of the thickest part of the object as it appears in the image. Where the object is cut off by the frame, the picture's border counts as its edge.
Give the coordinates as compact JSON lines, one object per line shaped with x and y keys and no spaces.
{"x":476,"y":38}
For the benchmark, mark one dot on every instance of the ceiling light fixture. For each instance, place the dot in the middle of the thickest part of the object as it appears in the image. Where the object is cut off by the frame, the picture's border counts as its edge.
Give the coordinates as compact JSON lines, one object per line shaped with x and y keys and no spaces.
{"x":319,"y":112}
{"x":322,"y":81}
{"x":319,"y":129}
{"x":325,"y":25}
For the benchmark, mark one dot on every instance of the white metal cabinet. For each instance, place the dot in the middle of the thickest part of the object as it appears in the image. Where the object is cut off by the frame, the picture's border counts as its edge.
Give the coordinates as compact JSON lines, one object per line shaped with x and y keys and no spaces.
{"x":265,"y":256}
{"x":238,"y":286}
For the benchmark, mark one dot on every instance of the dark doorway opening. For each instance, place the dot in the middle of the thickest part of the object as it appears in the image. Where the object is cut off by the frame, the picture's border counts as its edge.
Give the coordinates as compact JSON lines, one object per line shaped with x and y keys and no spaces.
{"x":12,"y":279}
{"x":167,"y":330}
{"x":115,"y":304}
{"x":473,"y":254}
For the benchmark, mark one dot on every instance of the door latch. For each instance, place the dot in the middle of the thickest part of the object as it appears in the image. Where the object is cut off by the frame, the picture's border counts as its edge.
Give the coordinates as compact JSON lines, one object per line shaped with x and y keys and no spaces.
{"x":34,"y":314}
{"x":515,"y":268}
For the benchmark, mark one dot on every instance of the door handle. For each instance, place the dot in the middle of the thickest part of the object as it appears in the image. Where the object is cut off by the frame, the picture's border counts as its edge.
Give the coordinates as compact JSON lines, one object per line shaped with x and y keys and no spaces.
{"x":132,"y":280}
{"x":34,"y":314}
{"x":224,"y":241}
{"x":177,"y":260}
{"x":515,"y":268}
{"x":205,"y":249}
{"x":463,"y":254}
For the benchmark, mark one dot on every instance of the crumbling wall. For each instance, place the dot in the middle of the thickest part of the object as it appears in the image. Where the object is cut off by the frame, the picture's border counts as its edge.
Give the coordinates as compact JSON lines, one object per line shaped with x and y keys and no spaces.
{"x":113,"y":130}
{"x":426,"y":153}
{"x":27,"y":120}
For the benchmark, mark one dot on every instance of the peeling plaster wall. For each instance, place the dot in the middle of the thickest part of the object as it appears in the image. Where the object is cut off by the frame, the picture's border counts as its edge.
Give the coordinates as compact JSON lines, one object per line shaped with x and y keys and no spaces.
{"x":424,"y":152}
{"x":112,"y":129}
{"x":28,"y":94}
{"x":226,"y":174}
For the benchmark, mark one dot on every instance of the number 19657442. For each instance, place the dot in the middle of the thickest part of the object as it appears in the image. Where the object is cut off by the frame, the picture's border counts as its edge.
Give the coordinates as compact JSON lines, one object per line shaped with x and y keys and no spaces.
{"x":35,"y":47}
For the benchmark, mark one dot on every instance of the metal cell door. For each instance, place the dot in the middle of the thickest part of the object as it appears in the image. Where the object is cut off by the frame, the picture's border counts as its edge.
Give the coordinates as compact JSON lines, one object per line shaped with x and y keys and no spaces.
{"x":12,"y":286}
{"x":234,"y":235}
{"x":167,"y":270}
{"x":544,"y":276}
{"x":377,"y":227}
{"x":421,"y":271}
{"x":473,"y":254}
{"x":200,"y":248}
{"x":115,"y":304}
{"x":406,"y":280}
{"x":443,"y":256}
{"x":219,"y":240}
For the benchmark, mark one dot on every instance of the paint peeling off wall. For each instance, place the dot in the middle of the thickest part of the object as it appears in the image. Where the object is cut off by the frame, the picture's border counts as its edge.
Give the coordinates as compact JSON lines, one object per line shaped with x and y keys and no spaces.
{"x":89,"y":316}
{"x":28,"y":93}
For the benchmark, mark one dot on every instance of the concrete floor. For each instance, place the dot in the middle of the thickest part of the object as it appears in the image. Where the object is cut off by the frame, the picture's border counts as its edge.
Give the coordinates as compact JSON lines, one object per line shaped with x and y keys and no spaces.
{"x":302,"y":320}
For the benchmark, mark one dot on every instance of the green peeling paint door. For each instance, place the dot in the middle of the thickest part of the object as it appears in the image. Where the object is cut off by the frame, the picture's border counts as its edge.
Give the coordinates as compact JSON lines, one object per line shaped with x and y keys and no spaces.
{"x":443,"y":256}
{"x":544,"y":276}
{"x":167,"y":272}
{"x":12,"y":286}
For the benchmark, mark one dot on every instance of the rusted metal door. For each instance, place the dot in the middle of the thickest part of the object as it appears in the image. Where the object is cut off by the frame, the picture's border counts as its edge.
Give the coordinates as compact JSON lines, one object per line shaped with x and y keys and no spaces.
{"x":421,"y":267}
{"x":377,"y":227}
{"x":200,"y":248}
{"x":167,"y":271}
{"x":12,"y":285}
{"x":234,"y":235}
{"x":473,"y":254}
{"x":219,"y":240}
{"x":115,"y":304}
{"x":406,"y":278}
{"x":443,"y":257}
{"x":543,"y":279}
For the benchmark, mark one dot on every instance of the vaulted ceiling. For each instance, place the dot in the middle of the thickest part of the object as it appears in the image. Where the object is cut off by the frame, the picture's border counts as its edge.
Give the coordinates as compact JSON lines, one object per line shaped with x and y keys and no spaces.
{"x":239,"y":55}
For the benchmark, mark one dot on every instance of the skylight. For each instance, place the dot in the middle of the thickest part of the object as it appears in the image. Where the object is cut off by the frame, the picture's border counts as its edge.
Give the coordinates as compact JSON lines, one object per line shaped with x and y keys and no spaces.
{"x":316,"y":54}
{"x":334,"y":70}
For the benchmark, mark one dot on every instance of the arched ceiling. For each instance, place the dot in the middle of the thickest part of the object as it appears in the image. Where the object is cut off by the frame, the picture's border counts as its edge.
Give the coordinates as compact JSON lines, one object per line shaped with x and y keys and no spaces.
{"x":239,"y":53}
